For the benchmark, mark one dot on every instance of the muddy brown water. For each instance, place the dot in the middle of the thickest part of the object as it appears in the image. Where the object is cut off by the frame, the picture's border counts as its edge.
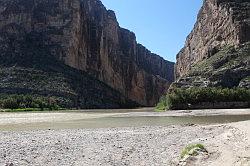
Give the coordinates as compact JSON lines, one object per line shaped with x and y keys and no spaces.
{"x":104,"y":119}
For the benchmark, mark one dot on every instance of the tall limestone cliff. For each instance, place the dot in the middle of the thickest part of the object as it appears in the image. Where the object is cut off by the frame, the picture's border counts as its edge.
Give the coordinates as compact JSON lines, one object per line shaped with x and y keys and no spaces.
{"x":217,"y":52}
{"x":80,"y":36}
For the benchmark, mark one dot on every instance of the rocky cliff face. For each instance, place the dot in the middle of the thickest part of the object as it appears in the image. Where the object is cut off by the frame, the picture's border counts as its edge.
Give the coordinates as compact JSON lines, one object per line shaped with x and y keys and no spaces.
{"x":211,"y":55}
{"x":85,"y":36}
{"x":220,"y":23}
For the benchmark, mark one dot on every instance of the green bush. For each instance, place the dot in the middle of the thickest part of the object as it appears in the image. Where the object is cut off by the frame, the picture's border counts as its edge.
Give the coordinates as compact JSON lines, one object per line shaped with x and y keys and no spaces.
{"x":181,"y":97}
{"x":10,"y":103}
{"x":161,"y":106}
{"x":28,"y":103}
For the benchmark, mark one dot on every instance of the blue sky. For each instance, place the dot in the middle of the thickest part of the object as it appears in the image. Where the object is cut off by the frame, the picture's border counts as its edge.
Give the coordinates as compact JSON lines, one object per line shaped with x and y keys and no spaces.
{"x":160,"y":25}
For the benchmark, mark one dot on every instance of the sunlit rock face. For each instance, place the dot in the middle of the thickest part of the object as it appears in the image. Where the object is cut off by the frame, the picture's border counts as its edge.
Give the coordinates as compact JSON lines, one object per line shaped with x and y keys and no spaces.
{"x":85,"y":36}
{"x":220,"y":23}
{"x":216,"y":52}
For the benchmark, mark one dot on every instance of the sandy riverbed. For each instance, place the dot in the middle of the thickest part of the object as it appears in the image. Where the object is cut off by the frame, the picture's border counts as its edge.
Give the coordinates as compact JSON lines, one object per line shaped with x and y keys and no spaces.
{"x":227,"y":145}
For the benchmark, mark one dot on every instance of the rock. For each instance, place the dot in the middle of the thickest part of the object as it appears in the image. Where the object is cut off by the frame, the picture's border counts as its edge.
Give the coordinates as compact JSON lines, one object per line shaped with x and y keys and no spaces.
{"x":85,"y":36}
{"x":220,"y":35}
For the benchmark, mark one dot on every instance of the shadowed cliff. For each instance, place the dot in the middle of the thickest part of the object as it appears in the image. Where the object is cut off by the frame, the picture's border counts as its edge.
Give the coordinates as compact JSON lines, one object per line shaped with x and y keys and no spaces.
{"x":79,"y":40}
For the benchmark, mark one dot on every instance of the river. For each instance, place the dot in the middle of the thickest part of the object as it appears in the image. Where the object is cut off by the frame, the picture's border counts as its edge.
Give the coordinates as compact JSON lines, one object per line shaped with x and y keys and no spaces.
{"x":115,"y":118}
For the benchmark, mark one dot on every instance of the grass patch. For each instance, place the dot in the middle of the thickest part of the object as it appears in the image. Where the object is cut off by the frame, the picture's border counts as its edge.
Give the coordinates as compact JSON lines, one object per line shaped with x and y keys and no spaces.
{"x":192,"y":150}
{"x":30,"y":110}
{"x":22,"y":110}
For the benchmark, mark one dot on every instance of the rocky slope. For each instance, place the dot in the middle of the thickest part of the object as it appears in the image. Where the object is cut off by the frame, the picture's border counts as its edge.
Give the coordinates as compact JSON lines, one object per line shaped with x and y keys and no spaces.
{"x":217,"y":53}
{"x":83,"y":37}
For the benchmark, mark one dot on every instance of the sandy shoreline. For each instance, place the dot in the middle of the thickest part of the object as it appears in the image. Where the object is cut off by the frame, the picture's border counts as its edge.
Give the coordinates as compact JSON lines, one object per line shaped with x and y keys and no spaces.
{"x":227,"y":144}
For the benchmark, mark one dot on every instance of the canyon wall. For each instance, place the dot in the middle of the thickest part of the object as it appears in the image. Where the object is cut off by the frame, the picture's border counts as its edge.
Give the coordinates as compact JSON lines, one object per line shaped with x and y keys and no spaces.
{"x":85,"y":36}
{"x":220,"y":23}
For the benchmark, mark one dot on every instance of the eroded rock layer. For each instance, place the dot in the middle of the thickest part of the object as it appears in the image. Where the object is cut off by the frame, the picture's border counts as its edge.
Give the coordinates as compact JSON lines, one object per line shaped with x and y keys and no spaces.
{"x":217,"y":50}
{"x":85,"y":36}
{"x":220,"y":23}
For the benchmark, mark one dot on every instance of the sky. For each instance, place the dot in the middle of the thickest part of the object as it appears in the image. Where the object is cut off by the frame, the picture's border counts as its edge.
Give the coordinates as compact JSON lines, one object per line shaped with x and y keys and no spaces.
{"x":160,"y":25}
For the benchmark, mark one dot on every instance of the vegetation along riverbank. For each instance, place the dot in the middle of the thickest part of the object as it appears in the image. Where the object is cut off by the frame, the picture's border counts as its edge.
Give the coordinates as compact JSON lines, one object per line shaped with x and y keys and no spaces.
{"x":205,"y":98}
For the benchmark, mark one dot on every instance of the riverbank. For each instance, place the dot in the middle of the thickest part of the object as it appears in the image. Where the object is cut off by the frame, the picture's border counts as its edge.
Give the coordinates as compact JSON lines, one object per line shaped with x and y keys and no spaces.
{"x":121,"y":137}
{"x":227,"y":144}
